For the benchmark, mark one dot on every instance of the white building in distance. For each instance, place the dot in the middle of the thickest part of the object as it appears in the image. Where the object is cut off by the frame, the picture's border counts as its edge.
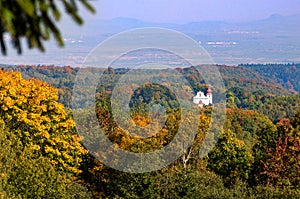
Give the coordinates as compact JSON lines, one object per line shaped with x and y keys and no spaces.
{"x":201,"y":99}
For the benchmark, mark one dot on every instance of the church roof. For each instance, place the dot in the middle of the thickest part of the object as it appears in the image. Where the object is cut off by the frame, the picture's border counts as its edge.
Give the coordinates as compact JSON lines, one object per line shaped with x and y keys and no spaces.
{"x":209,"y":90}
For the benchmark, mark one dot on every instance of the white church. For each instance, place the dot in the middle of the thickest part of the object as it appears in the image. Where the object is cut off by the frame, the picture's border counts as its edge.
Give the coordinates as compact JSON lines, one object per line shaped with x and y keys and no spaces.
{"x":201,"y":99}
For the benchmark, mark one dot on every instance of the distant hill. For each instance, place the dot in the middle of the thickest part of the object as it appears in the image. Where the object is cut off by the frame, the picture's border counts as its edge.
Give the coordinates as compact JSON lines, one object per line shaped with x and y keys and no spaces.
{"x":251,"y":81}
{"x":272,"y":40}
{"x":286,"y":75}
{"x":273,"y":24}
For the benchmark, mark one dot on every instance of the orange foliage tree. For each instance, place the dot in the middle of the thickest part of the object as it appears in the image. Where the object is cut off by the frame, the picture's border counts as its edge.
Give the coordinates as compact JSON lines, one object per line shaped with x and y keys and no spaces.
{"x":282,"y":166}
{"x":30,"y":109}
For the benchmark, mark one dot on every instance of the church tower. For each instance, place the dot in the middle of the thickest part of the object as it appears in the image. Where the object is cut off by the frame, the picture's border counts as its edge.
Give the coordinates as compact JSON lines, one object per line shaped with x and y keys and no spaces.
{"x":209,"y":95}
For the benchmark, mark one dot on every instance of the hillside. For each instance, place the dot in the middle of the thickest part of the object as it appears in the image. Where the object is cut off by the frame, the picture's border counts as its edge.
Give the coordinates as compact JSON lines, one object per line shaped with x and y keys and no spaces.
{"x":242,"y":77}
{"x":248,"y":86}
{"x":286,"y":75}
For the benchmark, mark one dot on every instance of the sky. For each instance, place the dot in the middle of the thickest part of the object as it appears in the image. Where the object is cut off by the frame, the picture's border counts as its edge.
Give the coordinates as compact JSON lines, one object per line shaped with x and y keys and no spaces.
{"x":183,"y":11}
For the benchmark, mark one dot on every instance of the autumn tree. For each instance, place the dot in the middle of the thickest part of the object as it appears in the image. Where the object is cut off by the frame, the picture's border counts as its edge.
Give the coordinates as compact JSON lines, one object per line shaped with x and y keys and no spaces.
{"x":30,"y":109}
{"x":282,"y":165}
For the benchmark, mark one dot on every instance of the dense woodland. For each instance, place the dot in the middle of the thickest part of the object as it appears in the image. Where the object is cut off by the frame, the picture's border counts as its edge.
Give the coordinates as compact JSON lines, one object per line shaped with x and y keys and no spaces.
{"x":256,"y":156}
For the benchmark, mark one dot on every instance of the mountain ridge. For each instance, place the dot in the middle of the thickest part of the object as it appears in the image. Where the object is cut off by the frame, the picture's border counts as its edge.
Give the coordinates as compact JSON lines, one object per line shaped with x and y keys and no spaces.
{"x":271,"y":40}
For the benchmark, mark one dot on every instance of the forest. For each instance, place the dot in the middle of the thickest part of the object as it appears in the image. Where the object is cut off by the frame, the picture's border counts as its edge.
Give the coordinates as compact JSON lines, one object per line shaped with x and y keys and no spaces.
{"x":256,"y":156}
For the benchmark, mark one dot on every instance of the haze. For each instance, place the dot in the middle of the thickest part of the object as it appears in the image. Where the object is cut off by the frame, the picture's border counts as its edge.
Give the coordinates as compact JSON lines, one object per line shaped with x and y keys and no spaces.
{"x":183,"y":11}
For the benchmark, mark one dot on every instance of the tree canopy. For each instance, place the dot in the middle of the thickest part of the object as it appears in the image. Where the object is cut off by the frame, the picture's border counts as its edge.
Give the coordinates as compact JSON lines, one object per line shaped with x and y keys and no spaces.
{"x":36,"y":21}
{"x":30,"y":109}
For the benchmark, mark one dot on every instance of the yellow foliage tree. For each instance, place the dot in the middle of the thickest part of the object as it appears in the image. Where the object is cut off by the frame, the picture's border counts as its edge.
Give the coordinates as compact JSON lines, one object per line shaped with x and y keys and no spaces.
{"x":30,"y":109}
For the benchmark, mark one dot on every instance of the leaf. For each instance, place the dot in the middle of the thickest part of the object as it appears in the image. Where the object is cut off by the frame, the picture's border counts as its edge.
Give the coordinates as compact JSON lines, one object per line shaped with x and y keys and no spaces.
{"x":28,"y":7}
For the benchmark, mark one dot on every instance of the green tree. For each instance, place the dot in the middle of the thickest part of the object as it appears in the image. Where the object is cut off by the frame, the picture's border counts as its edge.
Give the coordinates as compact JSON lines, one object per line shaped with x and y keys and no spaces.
{"x":25,"y":175}
{"x":230,"y":159}
{"x":35,"y":20}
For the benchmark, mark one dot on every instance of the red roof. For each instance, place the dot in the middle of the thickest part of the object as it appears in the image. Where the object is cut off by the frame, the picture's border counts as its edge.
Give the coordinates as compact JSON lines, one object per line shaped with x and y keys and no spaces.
{"x":209,"y":90}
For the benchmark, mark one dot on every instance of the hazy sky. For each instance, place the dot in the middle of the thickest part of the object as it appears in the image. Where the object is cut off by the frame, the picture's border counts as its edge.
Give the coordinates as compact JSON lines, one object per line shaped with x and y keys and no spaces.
{"x":182,"y":11}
